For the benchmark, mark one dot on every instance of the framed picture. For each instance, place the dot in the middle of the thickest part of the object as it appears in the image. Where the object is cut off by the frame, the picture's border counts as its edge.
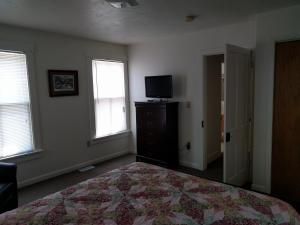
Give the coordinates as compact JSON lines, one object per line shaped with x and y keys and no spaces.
{"x":63,"y":83}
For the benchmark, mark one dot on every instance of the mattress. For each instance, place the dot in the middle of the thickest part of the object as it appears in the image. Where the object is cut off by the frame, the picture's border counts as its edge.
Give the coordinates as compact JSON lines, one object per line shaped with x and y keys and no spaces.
{"x":140,"y":193}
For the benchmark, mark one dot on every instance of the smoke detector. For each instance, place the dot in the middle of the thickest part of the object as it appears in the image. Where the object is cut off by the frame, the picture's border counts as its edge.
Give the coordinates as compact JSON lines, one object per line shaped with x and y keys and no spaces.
{"x":120,"y":4}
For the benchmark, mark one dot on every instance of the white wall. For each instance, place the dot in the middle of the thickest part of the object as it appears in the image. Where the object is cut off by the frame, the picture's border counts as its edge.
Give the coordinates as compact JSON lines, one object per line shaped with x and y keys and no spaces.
{"x":64,"y":121}
{"x":271,"y":27}
{"x":65,"y":146}
{"x":182,"y":56}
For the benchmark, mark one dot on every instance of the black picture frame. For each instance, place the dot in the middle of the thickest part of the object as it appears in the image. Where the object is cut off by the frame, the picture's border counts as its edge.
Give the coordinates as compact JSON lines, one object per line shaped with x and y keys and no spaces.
{"x":63,"y":83}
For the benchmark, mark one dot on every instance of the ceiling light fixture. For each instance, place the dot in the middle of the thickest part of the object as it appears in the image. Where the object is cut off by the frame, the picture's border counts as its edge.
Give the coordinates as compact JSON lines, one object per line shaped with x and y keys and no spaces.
{"x":120,"y":4}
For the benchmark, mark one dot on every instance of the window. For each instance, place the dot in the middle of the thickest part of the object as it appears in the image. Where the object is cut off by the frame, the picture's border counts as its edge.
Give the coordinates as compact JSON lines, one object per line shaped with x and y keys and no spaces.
{"x":15,"y":112}
{"x":109,"y":97}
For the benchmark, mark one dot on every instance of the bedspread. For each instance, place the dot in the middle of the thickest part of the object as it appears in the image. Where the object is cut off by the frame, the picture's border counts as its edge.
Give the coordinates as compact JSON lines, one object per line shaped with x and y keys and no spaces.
{"x":140,"y":193}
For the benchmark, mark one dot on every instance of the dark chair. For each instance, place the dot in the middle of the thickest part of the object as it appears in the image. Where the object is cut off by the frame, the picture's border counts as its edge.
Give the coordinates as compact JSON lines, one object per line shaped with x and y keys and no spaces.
{"x":8,"y":187}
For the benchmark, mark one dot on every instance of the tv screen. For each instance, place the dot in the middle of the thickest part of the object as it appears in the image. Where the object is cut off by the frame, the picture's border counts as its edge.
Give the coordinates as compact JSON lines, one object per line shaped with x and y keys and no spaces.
{"x":159,"y":86}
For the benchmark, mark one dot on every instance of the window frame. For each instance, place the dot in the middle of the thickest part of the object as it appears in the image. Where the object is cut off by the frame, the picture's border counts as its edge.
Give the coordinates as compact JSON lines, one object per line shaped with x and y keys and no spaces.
{"x":28,"y":51}
{"x":93,"y":139}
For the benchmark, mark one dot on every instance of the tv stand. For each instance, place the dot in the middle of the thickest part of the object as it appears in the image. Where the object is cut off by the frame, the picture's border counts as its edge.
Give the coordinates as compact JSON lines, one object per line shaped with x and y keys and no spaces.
{"x":157,"y":132}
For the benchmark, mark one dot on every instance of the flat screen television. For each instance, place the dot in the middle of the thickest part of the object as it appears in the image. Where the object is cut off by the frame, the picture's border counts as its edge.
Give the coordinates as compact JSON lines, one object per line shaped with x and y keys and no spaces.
{"x":159,"y":86}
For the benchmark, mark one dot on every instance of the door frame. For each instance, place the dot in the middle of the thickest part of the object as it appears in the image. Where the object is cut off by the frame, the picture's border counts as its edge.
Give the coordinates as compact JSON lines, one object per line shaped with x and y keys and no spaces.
{"x":207,"y":52}
{"x":269,"y":155}
{"x":269,"y":133}
{"x":219,"y":51}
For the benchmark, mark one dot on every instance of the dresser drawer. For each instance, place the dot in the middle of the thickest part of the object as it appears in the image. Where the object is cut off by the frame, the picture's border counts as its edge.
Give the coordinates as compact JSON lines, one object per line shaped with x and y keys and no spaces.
{"x":151,"y":122}
{"x":150,"y":149}
{"x":157,"y":135}
{"x":151,"y":113}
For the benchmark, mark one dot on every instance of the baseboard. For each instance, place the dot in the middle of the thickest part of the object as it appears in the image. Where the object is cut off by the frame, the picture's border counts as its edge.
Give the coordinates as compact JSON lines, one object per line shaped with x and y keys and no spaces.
{"x":260,"y":188}
{"x":189,"y":164}
{"x":56,"y":173}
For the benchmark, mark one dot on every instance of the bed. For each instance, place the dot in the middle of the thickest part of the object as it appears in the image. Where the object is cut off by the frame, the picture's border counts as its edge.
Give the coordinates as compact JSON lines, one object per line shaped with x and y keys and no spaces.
{"x":140,"y":193}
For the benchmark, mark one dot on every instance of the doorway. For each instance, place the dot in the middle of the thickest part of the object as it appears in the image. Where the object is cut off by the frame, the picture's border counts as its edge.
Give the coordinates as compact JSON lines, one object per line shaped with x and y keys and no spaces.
{"x":214,"y":123}
{"x":286,"y":123}
{"x":227,"y":127}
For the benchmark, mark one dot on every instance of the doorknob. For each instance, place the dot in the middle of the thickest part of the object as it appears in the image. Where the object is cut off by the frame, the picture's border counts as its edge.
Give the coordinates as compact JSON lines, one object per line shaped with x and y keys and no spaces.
{"x":228,"y":136}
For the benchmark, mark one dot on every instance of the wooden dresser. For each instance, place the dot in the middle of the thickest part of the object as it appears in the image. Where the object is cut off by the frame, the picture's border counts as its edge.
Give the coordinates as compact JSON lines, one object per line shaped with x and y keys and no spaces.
{"x":157,"y":132}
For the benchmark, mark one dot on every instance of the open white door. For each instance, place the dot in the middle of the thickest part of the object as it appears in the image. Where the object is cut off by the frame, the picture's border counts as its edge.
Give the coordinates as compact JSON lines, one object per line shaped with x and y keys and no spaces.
{"x":237,"y":115}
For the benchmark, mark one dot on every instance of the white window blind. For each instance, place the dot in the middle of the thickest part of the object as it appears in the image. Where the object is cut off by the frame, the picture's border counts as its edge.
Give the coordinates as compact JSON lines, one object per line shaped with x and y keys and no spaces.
{"x":109,"y":97}
{"x":15,"y":114}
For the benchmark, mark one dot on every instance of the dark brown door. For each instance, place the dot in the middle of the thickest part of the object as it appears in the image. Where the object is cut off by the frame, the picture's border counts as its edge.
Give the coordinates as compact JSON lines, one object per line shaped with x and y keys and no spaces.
{"x":286,"y":122}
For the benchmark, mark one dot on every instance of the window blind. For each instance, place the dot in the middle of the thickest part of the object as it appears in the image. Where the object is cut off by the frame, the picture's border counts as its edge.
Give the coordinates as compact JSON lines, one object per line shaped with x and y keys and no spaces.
{"x":109,"y":97}
{"x":15,"y":113}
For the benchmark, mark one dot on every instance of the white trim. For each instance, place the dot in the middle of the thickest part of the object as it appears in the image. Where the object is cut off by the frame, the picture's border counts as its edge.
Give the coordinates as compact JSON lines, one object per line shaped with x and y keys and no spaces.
{"x":218,"y":50}
{"x":127,"y":97}
{"x":34,"y":101}
{"x":92,"y":121}
{"x":56,"y":173}
{"x":23,"y":157}
{"x":115,"y":136}
{"x":89,"y":70}
{"x":269,"y":142}
{"x":28,"y":50}
{"x":260,"y":188}
{"x":269,"y":135}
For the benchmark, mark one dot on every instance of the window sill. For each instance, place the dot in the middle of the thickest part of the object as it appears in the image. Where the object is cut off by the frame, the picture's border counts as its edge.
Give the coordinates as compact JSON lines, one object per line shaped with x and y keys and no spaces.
{"x":111,"y":137}
{"x":23,"y":157}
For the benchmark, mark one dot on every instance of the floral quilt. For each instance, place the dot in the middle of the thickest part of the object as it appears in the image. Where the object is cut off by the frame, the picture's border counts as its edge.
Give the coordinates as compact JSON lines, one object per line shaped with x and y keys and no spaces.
{"x":145,"y":194}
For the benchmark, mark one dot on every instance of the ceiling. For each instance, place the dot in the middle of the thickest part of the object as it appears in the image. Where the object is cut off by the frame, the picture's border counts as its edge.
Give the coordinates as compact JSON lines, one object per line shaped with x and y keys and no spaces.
{"x":96,"y":19}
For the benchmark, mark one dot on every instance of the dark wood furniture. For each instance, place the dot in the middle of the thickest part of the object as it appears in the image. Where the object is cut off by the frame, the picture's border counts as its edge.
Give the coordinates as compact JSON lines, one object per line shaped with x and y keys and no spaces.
{"x":157,"y":132}
{"x":8,"y":187}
